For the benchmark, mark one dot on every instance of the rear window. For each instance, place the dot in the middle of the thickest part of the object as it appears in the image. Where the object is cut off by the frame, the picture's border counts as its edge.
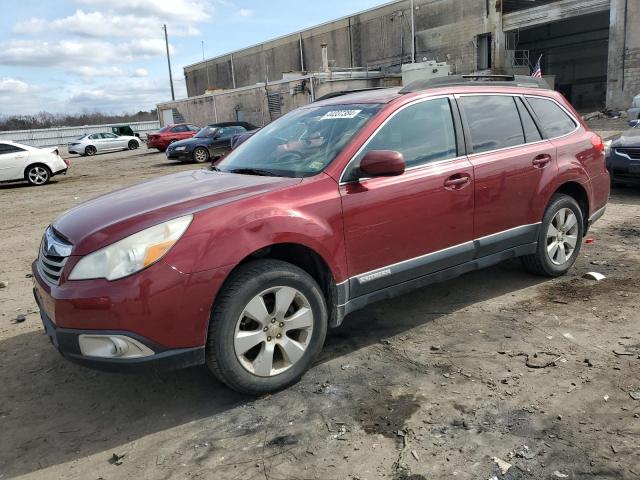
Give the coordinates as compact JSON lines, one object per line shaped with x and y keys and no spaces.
{"x":553,"y":120}
{"x":494,"y":122}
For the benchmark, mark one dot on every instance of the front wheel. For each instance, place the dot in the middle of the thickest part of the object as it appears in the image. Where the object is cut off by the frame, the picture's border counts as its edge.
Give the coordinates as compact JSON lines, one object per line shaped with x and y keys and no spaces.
{"x":559,"y":240}
{"x":268,"y":325}
{"x":200,"y":155}
{"x":132,"y":145}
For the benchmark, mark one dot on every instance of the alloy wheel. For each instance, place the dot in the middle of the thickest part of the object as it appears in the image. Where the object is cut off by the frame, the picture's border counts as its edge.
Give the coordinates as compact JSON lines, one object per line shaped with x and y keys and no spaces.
{"x":38,"y":175}
{"x":273,"y":331}
{"x":200,"y":155}
{"x":562,"y":236}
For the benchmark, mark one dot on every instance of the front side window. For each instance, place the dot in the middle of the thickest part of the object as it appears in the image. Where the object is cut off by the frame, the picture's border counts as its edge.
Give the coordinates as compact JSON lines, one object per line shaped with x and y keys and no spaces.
{"x":423,"y":133}
{"x":207,"y":132}
{"x":301,"y":143}
{"x":193,"y":128}
{"x":109,"y":136}
{"x":493,"y":121}
{"x":95,"y":136}
{"x":553,"y":120}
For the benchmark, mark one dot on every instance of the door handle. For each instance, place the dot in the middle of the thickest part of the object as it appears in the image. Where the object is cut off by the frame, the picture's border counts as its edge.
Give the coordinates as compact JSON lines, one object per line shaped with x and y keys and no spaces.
{"x":457,"y":181}
{"x":541,"y":160}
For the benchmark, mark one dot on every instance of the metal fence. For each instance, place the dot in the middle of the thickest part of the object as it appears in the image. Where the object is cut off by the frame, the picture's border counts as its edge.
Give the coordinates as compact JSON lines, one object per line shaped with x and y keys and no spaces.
{"x":52,"y":137}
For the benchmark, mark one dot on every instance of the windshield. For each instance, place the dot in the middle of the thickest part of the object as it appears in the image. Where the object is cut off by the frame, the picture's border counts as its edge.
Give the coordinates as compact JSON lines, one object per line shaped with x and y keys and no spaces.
{"x":207,"y":132}
{"x":300,"y":144}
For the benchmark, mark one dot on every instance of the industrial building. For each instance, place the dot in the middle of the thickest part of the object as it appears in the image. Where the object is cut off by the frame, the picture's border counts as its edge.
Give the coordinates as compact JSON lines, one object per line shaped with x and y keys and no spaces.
{"x":587,"y":47}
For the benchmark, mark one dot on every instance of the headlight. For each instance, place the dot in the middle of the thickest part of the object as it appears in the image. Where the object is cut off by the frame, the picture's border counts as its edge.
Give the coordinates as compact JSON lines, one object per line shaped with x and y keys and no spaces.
{"x":179,"y":149}
{"x":133,"y":253}
{"x":607,"y":147}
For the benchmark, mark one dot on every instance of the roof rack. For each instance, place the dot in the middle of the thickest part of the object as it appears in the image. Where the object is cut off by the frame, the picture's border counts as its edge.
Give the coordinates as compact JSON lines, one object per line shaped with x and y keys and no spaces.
{"x":346,"y":92}
{"x":473,"y":80}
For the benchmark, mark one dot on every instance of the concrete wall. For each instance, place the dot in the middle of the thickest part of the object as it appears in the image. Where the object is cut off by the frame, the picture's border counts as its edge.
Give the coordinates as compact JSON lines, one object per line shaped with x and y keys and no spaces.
{"x":251,"y":104}
{"x":624,"y":54}
{"x":445,"y":31}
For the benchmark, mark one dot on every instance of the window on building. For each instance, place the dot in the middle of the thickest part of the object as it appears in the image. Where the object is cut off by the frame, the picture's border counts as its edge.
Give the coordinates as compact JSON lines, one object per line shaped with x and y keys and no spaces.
{"x":553,"y":120}
{"x":493,"y":122}
{"x":484,"y":51}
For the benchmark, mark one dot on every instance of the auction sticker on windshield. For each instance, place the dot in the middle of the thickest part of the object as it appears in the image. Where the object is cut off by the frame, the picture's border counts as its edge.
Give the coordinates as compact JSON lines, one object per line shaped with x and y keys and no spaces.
{"x":340,"y":114}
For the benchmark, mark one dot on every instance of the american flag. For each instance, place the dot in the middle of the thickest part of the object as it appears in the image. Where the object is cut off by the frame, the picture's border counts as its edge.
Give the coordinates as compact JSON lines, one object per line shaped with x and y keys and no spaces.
{"x":537,"y":70}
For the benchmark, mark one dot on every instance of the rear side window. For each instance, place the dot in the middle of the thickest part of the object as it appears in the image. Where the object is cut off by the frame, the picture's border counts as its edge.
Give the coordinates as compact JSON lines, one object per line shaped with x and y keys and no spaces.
{"x":553,"y":120}
{"x":6,"y":148}
{"x":493,"y":121}
{"x":531,"y":132}
{"x":423,"y":133}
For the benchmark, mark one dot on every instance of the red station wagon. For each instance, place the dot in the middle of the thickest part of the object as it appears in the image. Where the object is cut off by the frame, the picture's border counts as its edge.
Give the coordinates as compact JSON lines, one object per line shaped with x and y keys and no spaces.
{"x":170,"y":134}
{"x":334,"y":206}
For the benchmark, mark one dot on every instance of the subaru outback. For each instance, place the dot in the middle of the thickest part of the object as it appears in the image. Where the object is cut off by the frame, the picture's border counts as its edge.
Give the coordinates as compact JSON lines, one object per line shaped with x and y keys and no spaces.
{"x":335,"y":205}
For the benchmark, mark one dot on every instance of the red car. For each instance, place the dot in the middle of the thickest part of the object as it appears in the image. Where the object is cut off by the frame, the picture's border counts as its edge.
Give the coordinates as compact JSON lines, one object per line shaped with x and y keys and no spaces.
{"x":169,"y":134}
{"x":332,"y":207}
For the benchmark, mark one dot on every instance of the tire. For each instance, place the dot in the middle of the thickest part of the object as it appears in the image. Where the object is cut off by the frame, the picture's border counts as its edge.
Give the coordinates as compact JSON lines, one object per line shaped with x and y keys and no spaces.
{"x":37,"y":175}
{"x":275,"y":361}
{"x":200,"y":155}
{"x":548,"y":260}
{"x":90,"y":151}
{"x":133,"y":145}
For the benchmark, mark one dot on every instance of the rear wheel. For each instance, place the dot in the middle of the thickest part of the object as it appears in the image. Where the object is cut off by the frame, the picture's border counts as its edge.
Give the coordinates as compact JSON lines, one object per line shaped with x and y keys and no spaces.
{"x":90,"y":150}
{"x":268,"y":325}
{"x":132,"y":145}
{"x":38,"y":175}
{"x":200,"y":155}
{"x":559,"y":240}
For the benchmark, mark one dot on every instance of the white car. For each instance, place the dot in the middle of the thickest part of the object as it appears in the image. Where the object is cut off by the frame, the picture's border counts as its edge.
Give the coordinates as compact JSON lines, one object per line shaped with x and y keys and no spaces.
{"x":35,"y":165}
{"x":102,"y":142}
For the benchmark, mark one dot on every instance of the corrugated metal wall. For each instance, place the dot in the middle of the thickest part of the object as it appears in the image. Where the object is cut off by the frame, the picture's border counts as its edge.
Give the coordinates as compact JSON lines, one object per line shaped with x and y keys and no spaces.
{"x":51,"y":137}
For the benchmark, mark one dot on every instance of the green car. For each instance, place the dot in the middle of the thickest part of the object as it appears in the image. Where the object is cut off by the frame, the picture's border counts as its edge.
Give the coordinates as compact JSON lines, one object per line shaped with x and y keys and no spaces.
{"x":124,"y":130}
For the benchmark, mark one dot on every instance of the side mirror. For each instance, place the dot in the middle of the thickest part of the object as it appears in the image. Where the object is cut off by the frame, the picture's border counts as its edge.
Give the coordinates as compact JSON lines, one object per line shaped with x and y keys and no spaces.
{"x":634,"y":123}
{"x":382,"y":163}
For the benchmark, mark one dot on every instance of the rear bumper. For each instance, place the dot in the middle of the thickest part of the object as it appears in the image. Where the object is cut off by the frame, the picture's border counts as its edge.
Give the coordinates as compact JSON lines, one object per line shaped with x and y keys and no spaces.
{"x":67,"y":343}
{"x":61,"y":172}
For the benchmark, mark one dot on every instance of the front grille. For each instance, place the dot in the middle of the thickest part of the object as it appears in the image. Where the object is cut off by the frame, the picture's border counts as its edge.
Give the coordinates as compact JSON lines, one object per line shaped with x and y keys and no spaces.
{"x":631,"y":152}
{"x":52,"y":257}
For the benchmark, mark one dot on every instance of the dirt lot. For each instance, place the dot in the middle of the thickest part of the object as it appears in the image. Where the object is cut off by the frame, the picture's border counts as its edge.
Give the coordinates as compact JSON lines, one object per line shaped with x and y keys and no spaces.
{"x":431,"y":385}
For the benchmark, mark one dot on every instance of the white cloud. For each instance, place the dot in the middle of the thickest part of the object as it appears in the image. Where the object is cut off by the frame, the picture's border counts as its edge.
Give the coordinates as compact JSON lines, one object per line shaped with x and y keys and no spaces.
{"x":107,"y":24}
{"x":245,"y":12}
{"x":177,"y":10}
{"x":73,"y":54}
{"x":94,"y":71}
{"x":12,"y":85}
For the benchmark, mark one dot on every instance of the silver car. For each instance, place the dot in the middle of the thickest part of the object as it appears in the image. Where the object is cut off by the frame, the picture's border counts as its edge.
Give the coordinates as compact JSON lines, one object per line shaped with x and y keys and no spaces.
{"x":634,"y":111}
{"x":102,"y":142}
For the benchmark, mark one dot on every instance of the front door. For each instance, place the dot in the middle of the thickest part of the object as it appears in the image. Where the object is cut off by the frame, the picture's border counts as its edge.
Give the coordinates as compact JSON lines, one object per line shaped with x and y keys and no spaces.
{"x":401,"y":228}
{"x":511,"y":164}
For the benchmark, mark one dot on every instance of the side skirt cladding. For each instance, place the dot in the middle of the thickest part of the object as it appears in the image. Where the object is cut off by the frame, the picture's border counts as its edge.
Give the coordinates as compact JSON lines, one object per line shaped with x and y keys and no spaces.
{"x":397,"y":279}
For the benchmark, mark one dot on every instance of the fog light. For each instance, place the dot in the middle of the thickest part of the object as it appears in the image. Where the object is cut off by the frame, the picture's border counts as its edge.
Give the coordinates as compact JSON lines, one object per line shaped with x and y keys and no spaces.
{"x":112,"y":346}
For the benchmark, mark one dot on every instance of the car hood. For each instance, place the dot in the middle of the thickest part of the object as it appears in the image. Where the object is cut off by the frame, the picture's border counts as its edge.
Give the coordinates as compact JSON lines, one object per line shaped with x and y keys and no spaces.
{"x":629,"y":138}
{"x":114,"y":216}
{"x":191,"y":142}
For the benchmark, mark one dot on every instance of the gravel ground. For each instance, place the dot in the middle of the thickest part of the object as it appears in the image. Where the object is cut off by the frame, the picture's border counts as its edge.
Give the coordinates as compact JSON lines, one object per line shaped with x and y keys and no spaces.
{"x":496,"y":370}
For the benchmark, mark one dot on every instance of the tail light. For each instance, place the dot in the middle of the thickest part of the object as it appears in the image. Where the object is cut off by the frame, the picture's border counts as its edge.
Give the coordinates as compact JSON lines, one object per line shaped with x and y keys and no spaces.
{"x":597,"y":142}
{"x":66,"y":161}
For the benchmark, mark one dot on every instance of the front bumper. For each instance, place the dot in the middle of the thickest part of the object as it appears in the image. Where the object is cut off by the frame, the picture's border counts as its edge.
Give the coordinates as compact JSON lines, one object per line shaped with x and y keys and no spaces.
{"x":67,"y":343}
{"x":161,"y":308}
{"x":182,"y":155}
{"x":623,"y":169}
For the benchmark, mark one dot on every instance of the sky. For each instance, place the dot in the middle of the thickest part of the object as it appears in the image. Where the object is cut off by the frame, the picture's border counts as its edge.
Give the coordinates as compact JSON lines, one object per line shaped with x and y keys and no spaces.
{"x":68,"y":56}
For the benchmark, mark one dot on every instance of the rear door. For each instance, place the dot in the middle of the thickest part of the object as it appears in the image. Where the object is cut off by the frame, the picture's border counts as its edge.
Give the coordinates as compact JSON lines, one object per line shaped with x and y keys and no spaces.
{"x":99,"y":142}
{"x":222,"y":144}
{"x":13,"y":161}
{"x":512,"y":166}
{"x":404,"y":227}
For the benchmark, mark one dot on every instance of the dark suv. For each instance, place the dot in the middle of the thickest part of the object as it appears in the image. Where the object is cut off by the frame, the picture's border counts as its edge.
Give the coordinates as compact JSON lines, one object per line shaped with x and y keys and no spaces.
{"x":335,"y":205}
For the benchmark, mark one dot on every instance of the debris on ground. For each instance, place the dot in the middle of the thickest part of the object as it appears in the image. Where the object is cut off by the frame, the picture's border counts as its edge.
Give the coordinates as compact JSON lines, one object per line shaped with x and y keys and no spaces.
{"x":558,"y":474}
{"x":4,"y":284}
{"x":502,"y":465}
{"x":594,"y":276}
{"x":117,"y":458}
{"x":635,"y":395}
{"x":20,"y":318}
{"x":540,"y":359}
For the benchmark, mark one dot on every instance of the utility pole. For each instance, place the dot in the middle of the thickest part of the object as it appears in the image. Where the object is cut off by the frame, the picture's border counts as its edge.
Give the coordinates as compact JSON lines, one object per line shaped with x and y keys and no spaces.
{"x":413,"y":33}
{"x":207,"y":67}
{"x":166,"y":40}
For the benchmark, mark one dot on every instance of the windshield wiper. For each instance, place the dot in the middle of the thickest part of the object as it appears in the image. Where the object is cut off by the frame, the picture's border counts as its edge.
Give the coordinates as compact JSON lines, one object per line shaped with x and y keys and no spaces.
{"x":252,"y":171}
